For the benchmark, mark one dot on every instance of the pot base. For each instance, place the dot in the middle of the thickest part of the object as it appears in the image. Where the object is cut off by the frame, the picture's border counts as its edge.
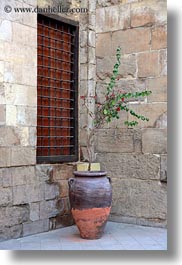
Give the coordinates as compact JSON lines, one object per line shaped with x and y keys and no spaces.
{"x":91,"y":222}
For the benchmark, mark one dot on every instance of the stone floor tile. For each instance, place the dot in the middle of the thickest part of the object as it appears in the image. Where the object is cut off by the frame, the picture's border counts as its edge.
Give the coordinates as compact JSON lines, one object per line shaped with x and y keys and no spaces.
{"x":117,"y":236}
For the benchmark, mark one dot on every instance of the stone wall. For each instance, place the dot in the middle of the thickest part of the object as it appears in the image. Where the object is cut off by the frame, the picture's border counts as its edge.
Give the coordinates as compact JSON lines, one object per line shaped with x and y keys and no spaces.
{"x":135,"y":158}
{"x":33,"y":198}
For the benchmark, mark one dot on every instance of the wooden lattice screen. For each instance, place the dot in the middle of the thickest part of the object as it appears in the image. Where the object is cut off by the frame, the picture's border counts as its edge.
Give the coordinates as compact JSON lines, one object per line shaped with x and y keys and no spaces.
{"x":57,"y":90}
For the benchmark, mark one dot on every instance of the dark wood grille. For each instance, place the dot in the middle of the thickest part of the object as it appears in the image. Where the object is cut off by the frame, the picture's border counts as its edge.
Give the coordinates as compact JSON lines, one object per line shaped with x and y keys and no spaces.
{"x":57,"y":91}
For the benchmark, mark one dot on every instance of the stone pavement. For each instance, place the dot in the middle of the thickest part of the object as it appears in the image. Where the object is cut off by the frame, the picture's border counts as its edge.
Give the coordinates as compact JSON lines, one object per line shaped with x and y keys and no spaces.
{"x":117,"y":236}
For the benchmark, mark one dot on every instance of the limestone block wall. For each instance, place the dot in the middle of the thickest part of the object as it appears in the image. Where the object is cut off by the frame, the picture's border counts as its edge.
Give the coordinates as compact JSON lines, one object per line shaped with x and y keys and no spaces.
{"x":135,"y":158}
{"x":33,"y":198}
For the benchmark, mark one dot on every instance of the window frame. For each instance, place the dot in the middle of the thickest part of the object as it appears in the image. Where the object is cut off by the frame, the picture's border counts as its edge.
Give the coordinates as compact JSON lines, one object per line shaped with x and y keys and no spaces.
{"x":66,"y":158}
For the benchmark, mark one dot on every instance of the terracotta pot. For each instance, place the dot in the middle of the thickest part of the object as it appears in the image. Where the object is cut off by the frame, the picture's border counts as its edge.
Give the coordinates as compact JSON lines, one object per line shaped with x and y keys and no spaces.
{"x":90,"y":195}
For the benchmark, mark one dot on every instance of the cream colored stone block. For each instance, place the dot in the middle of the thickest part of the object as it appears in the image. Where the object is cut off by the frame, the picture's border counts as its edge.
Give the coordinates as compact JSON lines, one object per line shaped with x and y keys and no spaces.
{"x":24,"y":136}
{"x":20,"y":55}
{"x":148,"y":12}
{"x":30,"y":19}
{"x":104,"y":44}
{"x":11,"y":115}
{"x":29,"y":75}
{"x":11,"y":16}
{"x":26,"y":116}
{"x":24,"y":35}
{"x":23,"y":156}
{"x":92,"y":71}
{"x":21,"y":95}
{"x":149,"y":110}
{"x":2,"y":114}
{"x":84,"y":166}
{"x":2,"y":94}
{"x":12,"y":72}
{"x":112,"y":18}
{"x":1,"y":71}
{"x":91,"y":38}
{"x":131,"y":40}
{"x":2,"y":57}
{"x":6,"y":30}
{"x":5,"y":154}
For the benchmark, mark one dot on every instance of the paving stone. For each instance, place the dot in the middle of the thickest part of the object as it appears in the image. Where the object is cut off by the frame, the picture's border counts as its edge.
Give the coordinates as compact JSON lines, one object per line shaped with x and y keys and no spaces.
{"x":117,"y":236}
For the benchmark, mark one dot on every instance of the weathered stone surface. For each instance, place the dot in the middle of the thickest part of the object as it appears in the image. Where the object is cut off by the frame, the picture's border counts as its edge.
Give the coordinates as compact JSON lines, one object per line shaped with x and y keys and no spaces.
{"x":44,"y":173}
{"x":5,"y":196}
{"x":21,"y":95}
{"x":154,"y":141}
{"x":142,"y":17}
{"x":91,"y":75}
{"x":91,"y":38}
{"x":2,"y":114}
{"x":15,"y":215}
{"x":2,"y":97}
{"x":148,"y":64}
{"x":161,"y":122}
{"x":32,"y":136}
{"x":83,"y":39}
{"x":163,"y":172}
{"x":23,"y":156}
{"x":13,"y":72}
{"x":84,"y":55}
{"x":91,"y":55}
{"x":8,"y":136}
{"x":27,"y":79}
{"x":35,"y":227}
{"x":23,"y":175}
{"x":1,"y":72}
{"x":63,"y":206}
{"x":83,"y":73}
{"x":48,"y":209}
{"x":152,"y":111}
{"x":31,"y":19}
{"x":112,"y":18}
{"x":5,"y":156}
{"x":6,"y":177}
{"x":158,"y":86}
{"x":159,"y":38}
{"x":12,"y":16}
{"x":131,"y":40}
{"x":63,"y":188}
{"x":104,"y":44}
{"x":62,"y":221}
{"x":140,"y":166}
{"x":28,"y":193}
{"x":10,"y":232}
{"x":64,"y":171}
{"x":115,"y":141}
{"x":6,"y":30}
{"x":24,"y":35}
{"x":11,"y":112}
{"x":148,"y":12}
{"x":26,"y":115}
{"x":20,"y":195}
{"x":34,"y":211}
{"x":104,"y":67}
{"x":51,"y":191}
{"x":139,"y":198}
{"x":163,"y":62}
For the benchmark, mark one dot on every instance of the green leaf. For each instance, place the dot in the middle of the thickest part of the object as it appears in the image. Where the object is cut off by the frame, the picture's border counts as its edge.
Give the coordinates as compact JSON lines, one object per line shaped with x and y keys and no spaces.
{"x":105,"y":112}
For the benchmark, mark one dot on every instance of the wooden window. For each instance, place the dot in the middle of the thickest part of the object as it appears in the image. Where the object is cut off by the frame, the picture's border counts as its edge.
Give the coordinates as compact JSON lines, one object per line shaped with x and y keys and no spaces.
{"x":57,"y":81}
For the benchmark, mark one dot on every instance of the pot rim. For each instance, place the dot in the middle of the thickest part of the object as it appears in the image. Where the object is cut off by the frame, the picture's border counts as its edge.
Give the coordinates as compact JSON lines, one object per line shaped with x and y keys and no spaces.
{"x":99,"y":173}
